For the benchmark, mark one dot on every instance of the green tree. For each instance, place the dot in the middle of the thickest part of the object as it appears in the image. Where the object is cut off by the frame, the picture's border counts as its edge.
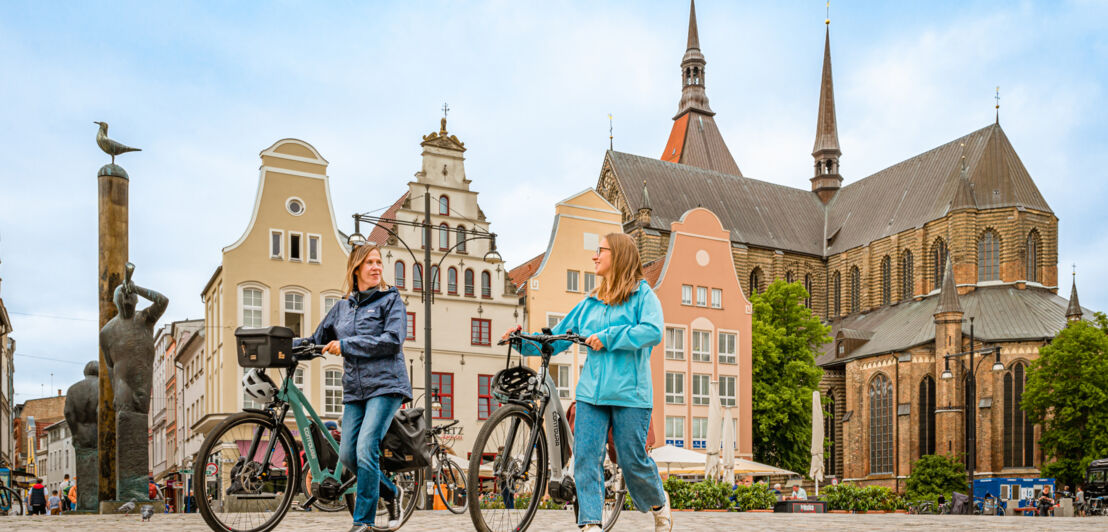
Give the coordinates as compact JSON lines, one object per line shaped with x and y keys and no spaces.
{"x":934,"y":475}
{"x":1067,"y":394}
{"x":785,"y":336}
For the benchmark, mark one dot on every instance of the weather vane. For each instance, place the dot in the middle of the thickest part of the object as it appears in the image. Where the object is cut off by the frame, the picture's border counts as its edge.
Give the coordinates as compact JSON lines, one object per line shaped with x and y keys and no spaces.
{"x":997,"y":98}
{"x":445,"y":109}
{"x":828,"y":21}
{"x":610,"y":136}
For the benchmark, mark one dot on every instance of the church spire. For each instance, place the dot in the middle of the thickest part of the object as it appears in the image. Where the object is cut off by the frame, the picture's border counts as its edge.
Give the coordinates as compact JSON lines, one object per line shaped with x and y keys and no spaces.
{"x":692,"y":72}
{"x":1073,"y":311}
{"x":826,"y":180}
{"x":948,"y":295}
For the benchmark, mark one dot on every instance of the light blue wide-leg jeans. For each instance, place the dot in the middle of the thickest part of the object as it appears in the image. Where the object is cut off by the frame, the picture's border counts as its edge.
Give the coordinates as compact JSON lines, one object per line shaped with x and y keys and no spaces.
{"x":364,"y":423}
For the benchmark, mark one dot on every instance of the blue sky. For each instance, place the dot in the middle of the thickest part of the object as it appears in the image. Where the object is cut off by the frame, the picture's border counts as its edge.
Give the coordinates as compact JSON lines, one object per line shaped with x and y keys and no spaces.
{"x":203,"y":87}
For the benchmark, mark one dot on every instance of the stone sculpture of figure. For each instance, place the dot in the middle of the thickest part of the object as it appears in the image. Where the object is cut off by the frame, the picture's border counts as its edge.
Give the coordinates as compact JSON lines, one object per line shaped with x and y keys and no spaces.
{"x":128,"y":344}
{"x":80,"y":414}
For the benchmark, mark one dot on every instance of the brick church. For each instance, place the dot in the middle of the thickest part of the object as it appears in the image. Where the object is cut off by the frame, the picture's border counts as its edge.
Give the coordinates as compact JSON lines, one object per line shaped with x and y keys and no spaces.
{"x":897,"y":262}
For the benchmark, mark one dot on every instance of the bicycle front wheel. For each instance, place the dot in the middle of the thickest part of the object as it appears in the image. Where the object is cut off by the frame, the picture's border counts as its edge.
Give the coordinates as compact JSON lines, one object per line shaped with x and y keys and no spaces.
{"x":10,"y":502}
{"x":245,"y":488}
{"x":409,"y":488}
{"x":450,"y":484}
{"x":507,"y":475}
{"x":615,"y":492}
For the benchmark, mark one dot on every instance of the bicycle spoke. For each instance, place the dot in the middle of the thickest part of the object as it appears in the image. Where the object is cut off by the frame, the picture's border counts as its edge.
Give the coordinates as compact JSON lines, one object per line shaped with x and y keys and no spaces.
{"x":504,"y":493}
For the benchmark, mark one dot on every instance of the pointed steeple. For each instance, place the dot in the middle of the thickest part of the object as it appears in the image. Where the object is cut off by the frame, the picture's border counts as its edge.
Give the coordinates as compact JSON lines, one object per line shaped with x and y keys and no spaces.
{"x":826,"y":180}
{"x":695,"y":139}
{"x":645,"y":209}
{"x":948,"y":295}
{"x":1073,"y":311}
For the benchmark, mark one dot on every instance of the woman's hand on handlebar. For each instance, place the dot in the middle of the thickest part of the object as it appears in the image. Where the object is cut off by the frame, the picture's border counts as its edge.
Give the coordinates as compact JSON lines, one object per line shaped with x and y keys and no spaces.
{"x":508,"y":333}
{"x":333,"y":347}
{"x":594,"y":343}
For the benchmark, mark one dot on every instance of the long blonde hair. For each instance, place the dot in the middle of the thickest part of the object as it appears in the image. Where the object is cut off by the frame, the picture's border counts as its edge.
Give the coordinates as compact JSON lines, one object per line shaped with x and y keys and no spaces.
{"x":357,"y":256}
{"x":625,"y":272}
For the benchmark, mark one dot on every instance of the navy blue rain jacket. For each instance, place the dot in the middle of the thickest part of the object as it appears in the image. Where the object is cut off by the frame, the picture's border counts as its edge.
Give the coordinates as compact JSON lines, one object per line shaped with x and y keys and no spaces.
{"x":371,"y":331}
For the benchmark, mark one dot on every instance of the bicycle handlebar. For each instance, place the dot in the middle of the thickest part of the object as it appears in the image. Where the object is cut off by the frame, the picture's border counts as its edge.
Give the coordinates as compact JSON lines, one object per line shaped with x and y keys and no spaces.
{"x":543,"y":338}
{"x":307,"y":351}
{"x":439,"y":429}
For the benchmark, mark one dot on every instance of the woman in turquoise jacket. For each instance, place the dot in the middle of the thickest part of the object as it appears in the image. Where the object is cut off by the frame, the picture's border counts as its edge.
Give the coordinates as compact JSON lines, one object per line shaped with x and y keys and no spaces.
{"x":622,"y":321}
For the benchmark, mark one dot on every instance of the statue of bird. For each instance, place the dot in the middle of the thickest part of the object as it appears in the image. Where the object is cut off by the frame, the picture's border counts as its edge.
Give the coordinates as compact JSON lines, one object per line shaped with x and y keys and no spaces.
{"x":110,"y":146}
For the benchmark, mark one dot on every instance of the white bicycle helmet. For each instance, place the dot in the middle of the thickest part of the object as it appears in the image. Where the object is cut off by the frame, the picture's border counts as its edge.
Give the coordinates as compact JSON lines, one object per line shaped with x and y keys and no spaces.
{"x":258,"y":385}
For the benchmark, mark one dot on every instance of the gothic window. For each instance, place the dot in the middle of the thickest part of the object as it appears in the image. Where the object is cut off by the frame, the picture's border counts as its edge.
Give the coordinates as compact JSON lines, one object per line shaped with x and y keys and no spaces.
{"x":836,"y":283}
{"x":926,"y":416}
{"x":461,"y":235}
{"x":880,"y":425}
{"x":886,"y":280}
{"x":444,"y":205}
{"x":756,"y":280}
{"x":855,"y":289}
{"x":1033,"y":256}
{"x":808,"y":287}
{"x":906,"y":275}
{"x":988,"y":256}
{"x":789,"y":277}
{"x":1019,"y":432}
{"x":938,"y":263}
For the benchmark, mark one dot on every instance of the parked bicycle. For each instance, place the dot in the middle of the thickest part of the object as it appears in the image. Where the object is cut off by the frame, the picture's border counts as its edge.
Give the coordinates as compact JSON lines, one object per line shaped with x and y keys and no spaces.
{"x":449,"y":477}
{"x":252,"y":465}
{"x":524,"y":444}
{"x":10,"y":501}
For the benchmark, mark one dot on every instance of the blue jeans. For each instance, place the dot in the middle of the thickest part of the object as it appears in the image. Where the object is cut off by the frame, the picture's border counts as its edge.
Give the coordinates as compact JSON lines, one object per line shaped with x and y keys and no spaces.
{"x":364,"y":423}
{"x":629,"y":426}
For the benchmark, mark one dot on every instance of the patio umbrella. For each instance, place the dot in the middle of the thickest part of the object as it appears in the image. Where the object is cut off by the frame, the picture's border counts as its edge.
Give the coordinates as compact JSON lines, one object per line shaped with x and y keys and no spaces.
{"x":757,"y":469}
{"x":815,"y":470}
{"x":728,"y":446}
{"x":678,"y":458}
{"x":712,"y":467}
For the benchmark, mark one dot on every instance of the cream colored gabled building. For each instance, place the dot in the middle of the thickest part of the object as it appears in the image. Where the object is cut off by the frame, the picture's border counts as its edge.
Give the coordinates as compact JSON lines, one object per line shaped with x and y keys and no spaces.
{"x":286,"y":269}
{"x":552,"y":283}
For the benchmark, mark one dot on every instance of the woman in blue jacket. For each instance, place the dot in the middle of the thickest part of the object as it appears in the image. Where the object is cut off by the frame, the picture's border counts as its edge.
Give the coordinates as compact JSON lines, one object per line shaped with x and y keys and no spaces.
{"x":367,"y":329}
{"x":622,"y":320}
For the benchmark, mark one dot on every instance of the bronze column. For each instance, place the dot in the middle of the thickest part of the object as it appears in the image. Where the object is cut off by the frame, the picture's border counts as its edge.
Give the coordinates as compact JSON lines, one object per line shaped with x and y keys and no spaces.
{"x":113,"y":184}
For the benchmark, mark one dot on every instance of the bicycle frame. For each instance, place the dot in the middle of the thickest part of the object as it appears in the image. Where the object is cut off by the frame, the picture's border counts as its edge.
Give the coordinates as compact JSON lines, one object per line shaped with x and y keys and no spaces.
{"x":550,"y":417}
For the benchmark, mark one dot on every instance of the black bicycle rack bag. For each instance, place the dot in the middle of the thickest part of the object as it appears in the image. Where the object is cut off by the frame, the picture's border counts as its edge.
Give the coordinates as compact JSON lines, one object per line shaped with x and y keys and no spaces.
{"x":405,"y":446}
{"x":268,"y":347}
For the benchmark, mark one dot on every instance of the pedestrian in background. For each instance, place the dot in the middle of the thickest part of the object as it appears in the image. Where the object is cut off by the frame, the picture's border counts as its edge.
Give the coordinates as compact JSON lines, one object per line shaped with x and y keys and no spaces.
{"x":37,"y":498}
{"x":54,"y":503}
{"x":63,"y":490}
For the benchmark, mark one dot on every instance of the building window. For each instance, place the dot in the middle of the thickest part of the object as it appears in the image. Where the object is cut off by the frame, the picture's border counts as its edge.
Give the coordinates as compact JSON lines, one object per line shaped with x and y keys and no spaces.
{"x":398,"y":275}
{"x":460,"y":235}
{"x":675,"y":343}
{"x":251,"y":307}
{"x":1019,"y":432}
{"x":726,"y":347}
{"x":855,"y":289}
{"x":298,"y":379}
{"x":590,"y":282}
{"x":927,"y":416}
{"x":332,"y":392}
{"x":880,"y":425}
{"x":294,"y":246}
{"x":295,"y":206}
{"x":886,"y":280}
{"x":444,"y":236}
{"x":572,"y":277}
{"x":717,"y":298}
{"x":313,"y":248}
{"x":442,"y":387}
{"x":417,"y":277}
{"x":727,"y":390}
{"x":701,"y":296}
{"x":444,"y":205}
{"x":276,"y":238}
{"x":808,"y":289}
{"x":480,"y":331}
{"x":294,"y":312}
{"x":411,"y":326}
{"x":988,"y":257}
{"x":452,"y":280}
{"x":700,"y":389}
{"x":938,"y":263}
{"x":552,"y":320}
{"x":1033,"y":256}
{"x":837,"y":286}
{"x":686,"y":294}
{"x":699,"y":433}
{"x":675,"y":431}
{"x":435,"y":279}
{"x":560,"y":374}
{"x":486,"y":403}
{"x":906,"y":275}
{"x":469,"y":283}
{"x":702,"y":346}
{"x":675,"y":388}
{"x":424,"y":228}
{"x":789,"y":276}
{"x":486,"y":285}
{"x":756,"y":280}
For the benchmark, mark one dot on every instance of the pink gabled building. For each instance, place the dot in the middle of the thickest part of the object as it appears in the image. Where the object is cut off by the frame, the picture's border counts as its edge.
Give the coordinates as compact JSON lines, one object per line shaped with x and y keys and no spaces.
{"x":706,"y":337}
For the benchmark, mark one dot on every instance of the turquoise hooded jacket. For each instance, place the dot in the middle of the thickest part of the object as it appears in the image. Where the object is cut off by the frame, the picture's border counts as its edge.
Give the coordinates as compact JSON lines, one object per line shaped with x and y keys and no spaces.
{"x":618,"y":374}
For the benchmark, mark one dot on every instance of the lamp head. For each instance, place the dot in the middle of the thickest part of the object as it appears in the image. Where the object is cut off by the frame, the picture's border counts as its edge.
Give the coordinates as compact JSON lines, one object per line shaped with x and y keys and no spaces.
{"x":947,"y":374}
{"x":356,"y":239}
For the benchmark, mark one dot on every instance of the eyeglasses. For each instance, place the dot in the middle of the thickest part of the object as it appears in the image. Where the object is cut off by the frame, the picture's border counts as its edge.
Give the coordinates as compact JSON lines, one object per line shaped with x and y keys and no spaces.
{"x":601,"y":248}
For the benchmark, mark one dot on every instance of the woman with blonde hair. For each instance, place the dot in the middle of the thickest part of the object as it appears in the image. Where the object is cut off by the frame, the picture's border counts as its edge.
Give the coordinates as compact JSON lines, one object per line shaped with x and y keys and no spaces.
{"x":622,"y":320}
{"x":367,"y":329}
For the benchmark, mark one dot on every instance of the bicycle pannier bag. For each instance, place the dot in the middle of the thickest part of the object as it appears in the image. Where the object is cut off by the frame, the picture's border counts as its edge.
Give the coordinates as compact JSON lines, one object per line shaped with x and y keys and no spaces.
{"x":267,"y":347}
{"x":405,"y":446}
{"x":328,"y":458}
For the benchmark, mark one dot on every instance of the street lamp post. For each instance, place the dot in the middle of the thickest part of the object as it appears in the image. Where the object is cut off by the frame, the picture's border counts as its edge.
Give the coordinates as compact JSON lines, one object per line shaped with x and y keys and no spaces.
{"x":428,"y":281}
{"x":971,"y":398}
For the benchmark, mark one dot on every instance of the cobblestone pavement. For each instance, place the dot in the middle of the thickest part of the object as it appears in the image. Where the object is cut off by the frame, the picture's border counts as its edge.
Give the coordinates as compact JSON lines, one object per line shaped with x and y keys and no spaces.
{"x":441,"y":521}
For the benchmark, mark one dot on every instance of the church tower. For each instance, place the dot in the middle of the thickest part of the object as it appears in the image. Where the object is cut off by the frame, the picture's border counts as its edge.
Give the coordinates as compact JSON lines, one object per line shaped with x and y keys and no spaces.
{"x":826,"y":181}
{"x":695,"y":140}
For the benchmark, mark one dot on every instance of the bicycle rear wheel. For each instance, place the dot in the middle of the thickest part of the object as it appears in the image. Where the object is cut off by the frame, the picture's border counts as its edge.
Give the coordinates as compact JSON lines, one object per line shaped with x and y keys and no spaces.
{"x":245,"y":494}
{"x":10,"y":502}
{"x":450,"y":484}
{"x":503,"y":496}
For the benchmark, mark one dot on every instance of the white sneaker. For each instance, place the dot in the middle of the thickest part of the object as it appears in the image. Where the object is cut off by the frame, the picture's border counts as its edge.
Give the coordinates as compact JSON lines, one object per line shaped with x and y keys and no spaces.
{"x":591,"y":528}
{"x":662,"y":520}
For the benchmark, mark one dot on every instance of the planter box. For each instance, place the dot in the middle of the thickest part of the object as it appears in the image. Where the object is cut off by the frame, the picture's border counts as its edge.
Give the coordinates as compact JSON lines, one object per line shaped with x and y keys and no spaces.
{"x":760,"y":511}
{"x":714,"y":510}
{"x":838,"y":511}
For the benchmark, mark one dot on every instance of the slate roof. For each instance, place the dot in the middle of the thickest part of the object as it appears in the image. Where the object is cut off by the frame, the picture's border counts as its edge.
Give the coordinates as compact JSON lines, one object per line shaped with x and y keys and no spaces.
{"x":1003,"y":313}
